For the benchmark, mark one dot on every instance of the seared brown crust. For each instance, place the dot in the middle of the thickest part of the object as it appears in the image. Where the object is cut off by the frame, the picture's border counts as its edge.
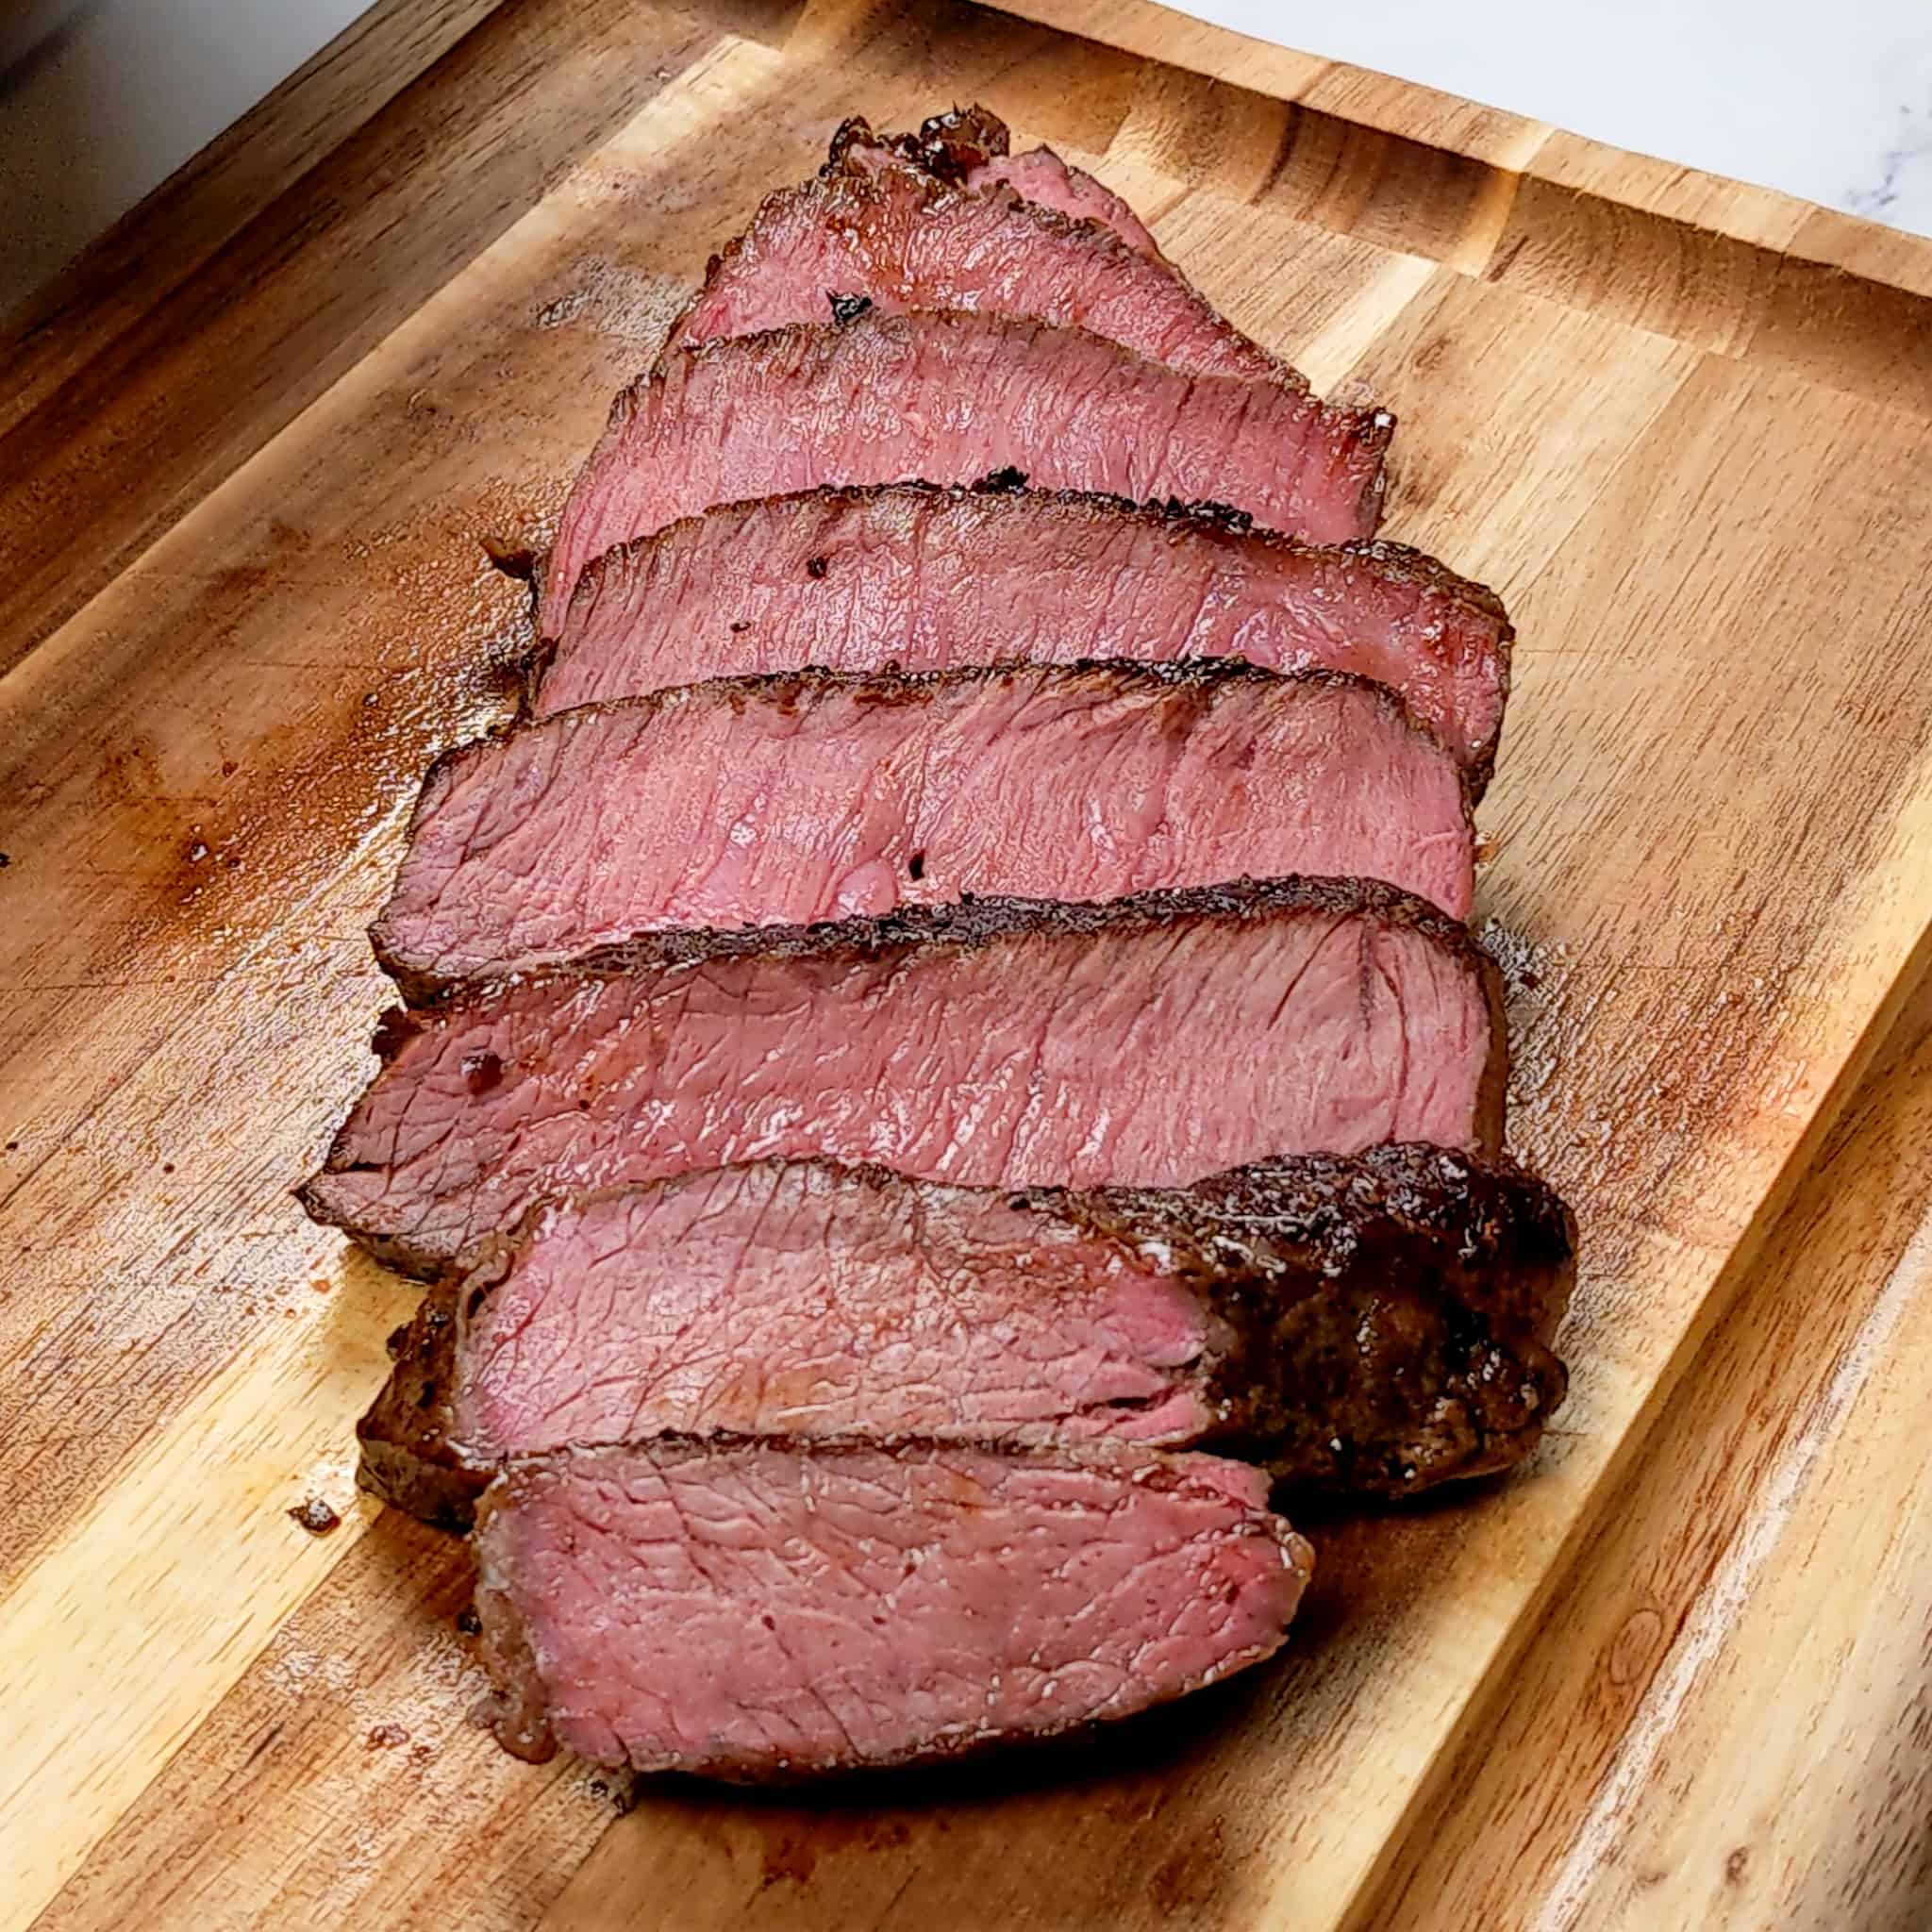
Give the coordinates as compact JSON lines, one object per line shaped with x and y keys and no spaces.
{"x":1391,"y":1314}
{"x":1202,"y":677}
{"x":895,"y":687}
{"x":1412,"y":1292}
{"x":1489,"y":1232}
{"x":408,"y":1457}
{"x":984,"y":921}
{"x":1397,"y":563}
{"x":949,"y":145}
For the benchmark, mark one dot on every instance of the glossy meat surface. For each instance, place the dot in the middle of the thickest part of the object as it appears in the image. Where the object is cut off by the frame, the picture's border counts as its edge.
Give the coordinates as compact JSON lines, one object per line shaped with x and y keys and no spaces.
{"x":927,"y":579}
{"x":951,"y":397}
{"x":752,"y":1610}
{"x":793,"y":799}
{"x":1146,"y":1041}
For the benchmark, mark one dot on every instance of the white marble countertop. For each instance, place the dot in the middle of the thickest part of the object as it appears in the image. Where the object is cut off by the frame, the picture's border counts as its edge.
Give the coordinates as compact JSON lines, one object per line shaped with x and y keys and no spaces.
{"x":1834,"y":105}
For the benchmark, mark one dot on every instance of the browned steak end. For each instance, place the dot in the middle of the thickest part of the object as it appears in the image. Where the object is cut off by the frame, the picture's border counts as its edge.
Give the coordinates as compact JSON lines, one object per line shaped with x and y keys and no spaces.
{"x":1377,"y":1324}
{"x":407,"y":1439}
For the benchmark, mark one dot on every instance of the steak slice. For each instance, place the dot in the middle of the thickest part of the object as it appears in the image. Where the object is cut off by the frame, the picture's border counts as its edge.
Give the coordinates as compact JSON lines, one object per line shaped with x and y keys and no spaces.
{"x":752,"y":1610}
{"x":883,"y":223}
{"x":1374,"y":1323}
{"x":789,"y":799}
{"x":926,"y":578}
{"x":1001,"y":1043}
{"x":970,"y":146}
{"x":951,"y":397}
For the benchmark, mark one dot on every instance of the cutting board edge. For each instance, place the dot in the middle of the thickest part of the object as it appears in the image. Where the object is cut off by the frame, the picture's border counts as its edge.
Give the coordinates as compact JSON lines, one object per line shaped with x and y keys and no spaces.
{"x":1514,"y":143}
{"x":1886,"y":1019}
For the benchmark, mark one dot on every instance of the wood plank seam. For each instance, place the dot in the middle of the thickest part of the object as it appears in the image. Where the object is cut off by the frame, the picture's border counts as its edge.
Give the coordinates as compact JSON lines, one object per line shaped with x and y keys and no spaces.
{"x":1514,"y":143}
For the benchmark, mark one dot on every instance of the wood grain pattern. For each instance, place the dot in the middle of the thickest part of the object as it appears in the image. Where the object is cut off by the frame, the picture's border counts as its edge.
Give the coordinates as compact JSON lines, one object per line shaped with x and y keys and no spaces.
{"x":179,"y":228}
{"x":253,"y":605}
{"x":143,"y":429}
{"x":1723,"y":1723}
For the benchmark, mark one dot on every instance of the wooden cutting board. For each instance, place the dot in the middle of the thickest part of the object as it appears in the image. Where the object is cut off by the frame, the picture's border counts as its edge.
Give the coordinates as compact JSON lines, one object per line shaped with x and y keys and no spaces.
{"x":256,"y":452}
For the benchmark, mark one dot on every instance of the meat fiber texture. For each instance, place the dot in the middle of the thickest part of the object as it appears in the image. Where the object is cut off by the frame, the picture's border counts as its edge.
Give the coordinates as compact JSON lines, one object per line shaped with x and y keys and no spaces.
{"x":924,"y":578}
{"x":951,"y":397}
{"x":755,"y":1610}
{"x":1376,"y":1323}
{"x":971,"y":147}
{"x":790,"y":799}
{"x":889,"y":225}
{"x":1146,"y":1042}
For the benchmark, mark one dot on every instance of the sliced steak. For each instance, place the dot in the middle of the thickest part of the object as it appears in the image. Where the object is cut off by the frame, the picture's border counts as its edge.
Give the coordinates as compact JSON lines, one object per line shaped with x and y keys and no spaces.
{"x":886,"y":225}
{"x":926,"y":578}
{"x":1004,"y":1041}
{"x":789,"y":799}
{"x":1038,"y":176}
{"x":951,"y":397}
{"x":758,"y":1610}
{"x":1374,"y":1323}
{"x":970,"y":147}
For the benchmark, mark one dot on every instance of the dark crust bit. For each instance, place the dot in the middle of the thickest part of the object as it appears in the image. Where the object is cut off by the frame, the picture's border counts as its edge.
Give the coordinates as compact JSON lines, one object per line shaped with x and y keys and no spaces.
{"x":989,"y":921}
{"x":315,"y":1515}
{"x":1410,"y":1291}
{"x":1202,"y":678}
{"x":516,"y":1712}
{"x":1397,"y":563}
{"x":1390,"y":1313}
{"x":408,"y":1459}
{"x":950,"y":145}
{"x":1495,"y":1234}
